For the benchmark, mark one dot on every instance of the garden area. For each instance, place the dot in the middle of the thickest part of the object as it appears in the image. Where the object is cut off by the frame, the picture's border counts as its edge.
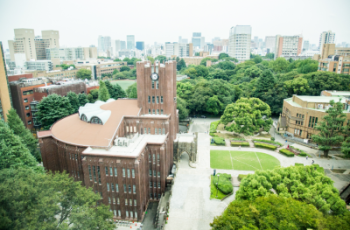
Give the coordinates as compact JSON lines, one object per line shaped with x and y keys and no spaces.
{"x":224,"y":186}
{"x":242,"y":160}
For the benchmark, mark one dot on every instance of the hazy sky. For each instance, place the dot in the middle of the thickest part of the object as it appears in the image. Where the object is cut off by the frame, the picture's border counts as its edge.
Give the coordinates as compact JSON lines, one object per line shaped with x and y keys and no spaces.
{"x":80,"y":22}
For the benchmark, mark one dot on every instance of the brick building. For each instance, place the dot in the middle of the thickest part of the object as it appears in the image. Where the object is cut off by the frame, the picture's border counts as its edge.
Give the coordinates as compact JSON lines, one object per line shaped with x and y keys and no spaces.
{"x":123,"y":149}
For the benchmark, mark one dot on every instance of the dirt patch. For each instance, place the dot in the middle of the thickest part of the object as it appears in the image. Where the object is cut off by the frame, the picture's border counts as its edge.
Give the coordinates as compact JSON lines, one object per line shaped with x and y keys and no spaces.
{"x":338,"y":170}
{"x":221,"y":127}
{"x":227,"y":135}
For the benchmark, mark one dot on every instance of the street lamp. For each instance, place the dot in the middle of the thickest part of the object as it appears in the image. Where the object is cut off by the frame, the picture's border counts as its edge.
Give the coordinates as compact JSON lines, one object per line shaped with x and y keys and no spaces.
{"x":217,"y":186}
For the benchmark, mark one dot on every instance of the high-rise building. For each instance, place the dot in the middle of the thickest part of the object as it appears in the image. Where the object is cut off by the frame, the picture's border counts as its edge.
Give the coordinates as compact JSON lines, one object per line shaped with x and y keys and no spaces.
{"x":198,"y":40}
{"x":23,"y":43}
{"x":71,"y":54}
{"x":5,"y":99}
{"x":287,"y":46}
{"x":104,"y":43}
{"x":169,"y":49}
{"x":140,"y":45}
{"x":326,"y":37}
{"x":270,"y":42}
{"x":122,"y":45}
{"x":180,"y":39}
{"x":306,"y":45}
{"x":53,"y":36}
{"x":239,"y":42}
{"x":130,"y":42}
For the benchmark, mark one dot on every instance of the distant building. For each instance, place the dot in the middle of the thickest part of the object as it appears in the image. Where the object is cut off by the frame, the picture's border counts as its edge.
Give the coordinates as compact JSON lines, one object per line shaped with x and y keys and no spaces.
{"x":127,"y":53}
{"x":288,"y":45}
{"x":198,"y":40}
{"x":67,"y":54}
{"x":326,"y":37}
{"x":23,"y":43}
{"x":39,"y":65}
{"x":53,"y":36}
{"x":306,"y":45}
{"x":337,"y":64}
{"x":5,"y":98}
{"x":270,"y":43}
{"x":239,"y":42}
{"x":130,"y":42}
{"x":104,"y":43}
{"x":140,"y":45}
{"x":119,"y":45}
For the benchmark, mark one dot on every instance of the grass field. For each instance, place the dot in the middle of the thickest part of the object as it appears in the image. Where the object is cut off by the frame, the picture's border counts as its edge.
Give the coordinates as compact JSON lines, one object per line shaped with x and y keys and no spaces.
{"x":213,"y":190}
{"x":124,"y":83}
{"x":242,"y":160}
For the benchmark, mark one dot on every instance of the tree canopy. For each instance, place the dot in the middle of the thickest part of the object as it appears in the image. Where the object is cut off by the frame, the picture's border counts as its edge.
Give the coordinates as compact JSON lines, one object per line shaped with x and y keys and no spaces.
{"x":74,"y":101}
{"x":103,"y":94}
{"x":115,"y":90}
{"x":131,"y":91}
{"x":84,"y":74}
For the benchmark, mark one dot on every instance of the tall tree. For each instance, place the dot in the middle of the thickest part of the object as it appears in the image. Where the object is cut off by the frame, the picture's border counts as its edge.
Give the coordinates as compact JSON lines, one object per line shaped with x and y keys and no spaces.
{"x":83,"y":99}
{"x":74,"y":101}
{"x":214,"y":105}
{"x":279,"y":65}
{"x":84,"y":74}
{"x":181,"y":106}
{"x":13,"y":153}
{"x":16,"y":124}
{"x":330,"y":128}
{"x":52,"y":108}
{"x":223,"y":55}
{"x":161,"y":58}
{"x":93,"y":95}
{"x":118,"y":92}
{"x":131,"y":91}
{"x":32,"y":200}
{"x":103,"y":94}
{"x":180,"y":64}
{"x":124,"y":68}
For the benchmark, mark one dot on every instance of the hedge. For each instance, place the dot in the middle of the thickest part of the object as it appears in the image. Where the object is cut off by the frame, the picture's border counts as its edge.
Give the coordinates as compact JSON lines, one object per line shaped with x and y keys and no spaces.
{"x":219,"y":140}
{"x":287,"y":152}
{"x":241,"y":176}
{"x":224,"y":185}
{"x":302,"y":154}
{"x":238,"y":139}
{"x":214,"y":126}
{"x":299,"y":164}
{"x":268,"y":141}
{"x":237,"y":143}
{"x":266,"y":146}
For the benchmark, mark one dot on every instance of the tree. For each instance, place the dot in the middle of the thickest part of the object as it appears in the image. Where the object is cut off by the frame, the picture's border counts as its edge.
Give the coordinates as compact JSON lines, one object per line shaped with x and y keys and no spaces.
{"x":226,"y":65}
{"x":84,"y":74}
{"x":32,"y":200}
{"x":161,"y":58}
{"x":117,"y":60}
{"x":298,"y":86}
{"x":115,"y":71}
{"x":151,"y":59}
{"x":180,"y":64}
{"x":65,"y":66}
{"x":330,"y":128}
{"x":270,"y":55}
{"x":131,"y":91}
{"x":248,"y":116}
{"x":214,"y":105}
{"x":74,"y":101}
{"x":52,"y":108}
{"x":223,"y":55}
{"x":270,"y":212}
{"x":253,"y":72}
{"x":304,"y":183}
{"x":14,"y":153}
{"x":103,"y":94}
{"x":83,"y":99}
{"x":124,"y":68}
{"x":115,"y":91}
{"x":257,"y":59}
{"x":279,"y":65}
{"x":181,"y":106}
{"x":16,"y":124}
{"x":202,"y":71}
{"x":93,"y":95}
{"x":191,"y":72}
{"x":263,"y":85}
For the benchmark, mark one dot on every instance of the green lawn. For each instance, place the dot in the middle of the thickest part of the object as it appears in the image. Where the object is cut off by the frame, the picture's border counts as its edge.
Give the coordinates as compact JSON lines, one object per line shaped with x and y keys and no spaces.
{"x":124,"y":83}
{"x":242,"y":160}
{"x":213,"y":190}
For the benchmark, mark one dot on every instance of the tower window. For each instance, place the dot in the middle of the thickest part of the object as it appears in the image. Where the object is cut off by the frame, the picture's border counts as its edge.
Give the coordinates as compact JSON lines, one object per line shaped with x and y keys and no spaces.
{"x":149,"y":111}
{"x":157,"y":111}
{"x":149,"y":99}
{"x":153,"y":99}
{"x":161,"y":99}
{"x":157,"y":85}
{"x":157,"y":99}
{"x":152,"y":84}
{"x":154,"y":111}
{"x":161,"y":111}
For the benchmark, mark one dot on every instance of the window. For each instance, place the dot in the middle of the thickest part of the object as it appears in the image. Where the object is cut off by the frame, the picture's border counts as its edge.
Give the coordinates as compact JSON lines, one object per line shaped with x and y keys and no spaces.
{"x":149,"y":130}
{"x":119,"y":213}
{"x":157,"y":85}
{"x":154,"y":111}
{"x":161,"y":99}
{"x":130,"y":202}
{"x":157,"y":111}
{"x":149,"y":157}
{"x":160,"y":131}
{"x":89,"y":172}
{"x":163,"y":131}
{"x":150,"y":195}
{"x":96,"y":120}
{"x":25,"y":100}
{"x":158,"y":184}
{"x":136,"y":215}
{"x":149,"y":111}
{"x":157,"y":99}
{"x":109,"y":200}
{"x":154,"y":173}
{"x":149,"y":99}
{"x":155,"y":184}
{"x":29,"y":122}
{"x":115,"y":212}
{"x":150,"y":172}
{"x":134,"y":189}
{"x":313,"y":121}
{"x":124,"y":188}
{"x":28,"y":114}
{"x":127,"y":213}
{"x":153,"y":100}
{"x":161,"y":111}
{"x":298,"y":132}
{"x":118,"y":201}
{"x":27,"y":107}
{"x":158,"y":174}
{"x":115,"y":171}
{"x":107,"y":187}
{"x":93,"y":169}
{"x":110,"y":171}
{"x":116,"y":188}
{"x":135,"y":203}
{"x":99,"y":175}
{"x":126,"y":201}
{"x":158,"y":157}
{"x":129,"y":188}
{"x":28,"y":92}
{"x":145,"y":129}
{"x":155,"y":131}
{"x":150,"y":183}
{"x":123,"y":172}
{"x":131,"y":216}
{"x":152,"y":84}
{"x":106,"y":169}
{"x":113,"y":200}
{"x":128,"y":171}
{"x":133,"y":173}
{"x":154,"y":157}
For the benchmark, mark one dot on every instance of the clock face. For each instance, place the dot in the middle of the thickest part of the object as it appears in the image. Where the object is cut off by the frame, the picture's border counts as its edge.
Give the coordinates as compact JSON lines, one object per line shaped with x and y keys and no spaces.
{"x":154,"y":76}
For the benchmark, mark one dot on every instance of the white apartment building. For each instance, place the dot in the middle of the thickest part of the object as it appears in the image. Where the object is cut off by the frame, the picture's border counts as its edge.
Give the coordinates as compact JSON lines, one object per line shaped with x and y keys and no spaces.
{"x":270,"y":43}
{"x":130,"y":42}
{"x":69,"y":54}
{"x":239,"y":42}
{"x":23,"y":43}
{"x":326,"y":37}
{"x":287,"y":46}
{"x":44,"y":65}
{"x":169,"y":49}
{"x":104,"y":43}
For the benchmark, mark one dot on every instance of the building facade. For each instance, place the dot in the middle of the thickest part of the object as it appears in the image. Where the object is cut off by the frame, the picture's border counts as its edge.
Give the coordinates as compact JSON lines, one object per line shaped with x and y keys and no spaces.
{"x":270,"y":43}
{"x":23,"y":43}
{"x":53,"y":36}
{"x":288,"y":46}
{"x":326,"y":37}
{"x":130,"y":42}
{"x":104,"y":43}
{"x":337,"y":64}
{"x":125,"y":154}
{"x":140,"y":46}
{"x":239,"y":42}
{"x":5,"y":98}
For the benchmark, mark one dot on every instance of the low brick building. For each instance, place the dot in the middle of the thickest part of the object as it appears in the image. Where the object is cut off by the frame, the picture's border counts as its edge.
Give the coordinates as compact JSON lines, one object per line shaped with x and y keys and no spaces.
{"x":123,"y":149}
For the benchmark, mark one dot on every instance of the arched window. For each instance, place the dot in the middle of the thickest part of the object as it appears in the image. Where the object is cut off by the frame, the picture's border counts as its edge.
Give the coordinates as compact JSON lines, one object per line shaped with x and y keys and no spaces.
{"x":83,"y":117}
{"x":96,"y":120}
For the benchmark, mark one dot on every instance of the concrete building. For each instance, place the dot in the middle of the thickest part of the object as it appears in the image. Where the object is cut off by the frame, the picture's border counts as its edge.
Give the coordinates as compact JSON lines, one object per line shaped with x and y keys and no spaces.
{"x":197,"y":40}
{"x":5,"y":98}
{"x":45,"y":65}
{"x":127,"y":53}
{"x":71,"y":54}
{"x":239,"y":42}
{"x":169,"y":49}
{"x":270,"y":43}
{"x":336,"y":63}
{"x":104,"y":43}
{"x":326,"y":37}
{"x":288,"y":45}
{"x":40,"y":46}
{"x":53,"y":36}
{"x":125,"y":154}
{"x":306,"y":45}
{"x":193,"y":60}
{"x":130,"y":42}
{"x":140,"y":46}
{"x":300,"y":114}
{"x":100,"y":68}
{"x":23,"y":43}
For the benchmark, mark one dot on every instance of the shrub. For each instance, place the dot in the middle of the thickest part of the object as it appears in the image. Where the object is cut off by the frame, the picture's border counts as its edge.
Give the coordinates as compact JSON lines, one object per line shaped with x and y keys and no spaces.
{"x":266,"y":146}
{"x":213,"y":134}
{"x":239,"y":143}
{"x":267,"y":141}
{"x":219,"y":140}
{"x":287,"y":152}
{"x":299,"y":164}
{"x":241,"y":176}
{"x":224,"y":185}
{"x":214,"y":126}
{"x":272,"y":139}
{"x":302,"y":154}
{"x":238,"y":139}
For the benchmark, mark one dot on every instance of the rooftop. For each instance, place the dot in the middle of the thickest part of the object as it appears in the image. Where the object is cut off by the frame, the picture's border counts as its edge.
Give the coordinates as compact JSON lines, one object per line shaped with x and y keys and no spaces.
{"x":338,"y":93}
{"x":321,"y":99}
{"x":75,"y":131}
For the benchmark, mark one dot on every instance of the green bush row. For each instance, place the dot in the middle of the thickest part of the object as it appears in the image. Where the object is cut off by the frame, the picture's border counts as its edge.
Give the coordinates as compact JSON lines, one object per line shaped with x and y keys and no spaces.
{"x":219,"y":140}
{"x":268,"y":141}
{"x":241,"y":177}
{"x":299,"y":164}
{"x":287,"y":152}
{"x":224,"y":185}
{"x":302,"y":154}
{"x":214,"y":126}
{"x":266,"y":146}
{"x":238,"y":139}
{"x":236,"y":143}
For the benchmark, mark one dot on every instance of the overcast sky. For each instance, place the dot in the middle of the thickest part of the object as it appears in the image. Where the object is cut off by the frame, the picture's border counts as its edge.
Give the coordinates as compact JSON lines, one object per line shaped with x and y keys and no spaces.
{"x":80,"y":22}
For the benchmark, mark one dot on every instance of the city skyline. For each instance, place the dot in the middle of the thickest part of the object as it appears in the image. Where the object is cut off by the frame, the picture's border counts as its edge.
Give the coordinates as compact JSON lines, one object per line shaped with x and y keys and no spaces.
{"x":74,"y":34}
